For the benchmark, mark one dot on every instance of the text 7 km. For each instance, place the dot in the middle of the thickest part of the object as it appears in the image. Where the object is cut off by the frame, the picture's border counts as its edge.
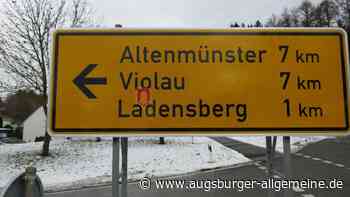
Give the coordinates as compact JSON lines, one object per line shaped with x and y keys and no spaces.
{"x":301,"y":84}
{"x":301,"y":57}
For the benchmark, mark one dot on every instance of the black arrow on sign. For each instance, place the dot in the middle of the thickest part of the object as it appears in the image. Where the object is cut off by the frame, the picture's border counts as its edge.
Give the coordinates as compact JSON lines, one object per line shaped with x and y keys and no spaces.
{"x":81,"y":81}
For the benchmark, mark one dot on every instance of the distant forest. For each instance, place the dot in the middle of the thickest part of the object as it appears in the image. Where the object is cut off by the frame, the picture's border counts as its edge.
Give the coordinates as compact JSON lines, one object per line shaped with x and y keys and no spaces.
{"x":327,"y":13}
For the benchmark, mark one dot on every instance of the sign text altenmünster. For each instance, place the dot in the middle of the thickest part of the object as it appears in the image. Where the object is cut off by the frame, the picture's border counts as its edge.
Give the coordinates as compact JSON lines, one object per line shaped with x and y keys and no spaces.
{"x":152,"y":82}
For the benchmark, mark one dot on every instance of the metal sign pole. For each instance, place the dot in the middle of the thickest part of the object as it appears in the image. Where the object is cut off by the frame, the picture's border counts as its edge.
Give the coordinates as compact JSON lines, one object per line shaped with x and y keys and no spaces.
{"x":30,"y":176}
{"x":274,"y":142}
{"x":269,"y":162}
{"x":26,"y":184}
{"x":287,"y":164}
{"x":124,"y":190}
{"x":115,"y":167}
{"x":116,"y":159}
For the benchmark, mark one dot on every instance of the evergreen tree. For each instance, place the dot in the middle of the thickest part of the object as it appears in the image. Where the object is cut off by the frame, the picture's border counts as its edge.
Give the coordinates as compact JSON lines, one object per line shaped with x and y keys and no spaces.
{"x":258,"y":24}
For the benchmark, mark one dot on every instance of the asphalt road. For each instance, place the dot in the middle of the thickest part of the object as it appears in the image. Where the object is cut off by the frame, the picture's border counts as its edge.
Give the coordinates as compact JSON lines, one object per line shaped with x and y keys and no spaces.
{"x":326,"y":160}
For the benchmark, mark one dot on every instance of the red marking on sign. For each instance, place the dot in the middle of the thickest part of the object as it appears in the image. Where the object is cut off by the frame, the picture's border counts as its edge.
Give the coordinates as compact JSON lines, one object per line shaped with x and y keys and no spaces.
{"x":140,"y":93}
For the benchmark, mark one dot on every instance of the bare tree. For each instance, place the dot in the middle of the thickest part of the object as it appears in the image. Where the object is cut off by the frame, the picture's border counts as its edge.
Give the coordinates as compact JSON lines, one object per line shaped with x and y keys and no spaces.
{"x":272,"y":21}
{"x":25,"y":41}
{"x":294,"y":17}
{"x":328,"y":12}
{"x":344,"y":13}
{"x":319,"y":20}
{"x":306,"y":10}
{"x":285,"y":19}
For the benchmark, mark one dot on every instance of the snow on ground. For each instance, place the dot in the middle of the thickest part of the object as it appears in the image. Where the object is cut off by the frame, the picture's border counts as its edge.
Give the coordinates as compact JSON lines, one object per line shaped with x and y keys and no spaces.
{"x":296,"y":142}
{"x":73,"y":162}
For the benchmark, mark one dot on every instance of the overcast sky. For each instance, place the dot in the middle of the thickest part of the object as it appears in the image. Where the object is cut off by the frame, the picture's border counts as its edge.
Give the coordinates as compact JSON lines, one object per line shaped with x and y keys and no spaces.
{"x":187,"y":13}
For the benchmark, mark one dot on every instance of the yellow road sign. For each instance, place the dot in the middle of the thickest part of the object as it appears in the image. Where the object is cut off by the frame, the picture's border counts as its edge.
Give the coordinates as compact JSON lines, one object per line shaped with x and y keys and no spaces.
{"x":170,"y":82}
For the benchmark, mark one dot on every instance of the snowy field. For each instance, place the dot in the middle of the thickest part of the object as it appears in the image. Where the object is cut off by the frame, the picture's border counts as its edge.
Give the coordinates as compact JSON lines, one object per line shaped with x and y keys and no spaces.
{"x":74,"y":163}
{"x":296,"y":142}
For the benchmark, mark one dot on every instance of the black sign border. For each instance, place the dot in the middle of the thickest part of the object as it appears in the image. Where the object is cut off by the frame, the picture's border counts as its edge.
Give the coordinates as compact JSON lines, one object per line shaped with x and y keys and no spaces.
{"x":197,"y":130}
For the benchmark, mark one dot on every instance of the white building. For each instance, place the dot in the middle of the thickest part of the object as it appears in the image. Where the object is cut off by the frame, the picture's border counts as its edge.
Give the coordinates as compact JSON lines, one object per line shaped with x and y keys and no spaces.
{"x":34,"y":126}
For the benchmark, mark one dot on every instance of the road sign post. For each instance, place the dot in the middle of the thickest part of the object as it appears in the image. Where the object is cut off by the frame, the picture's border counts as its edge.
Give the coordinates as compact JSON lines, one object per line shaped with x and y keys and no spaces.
{"x":287,"y":164}
{"x":115,"y":167}
{"x":30,"y":176}
{"x":274,"y":143}
{"x":27,"y":184}
{"x":269,"y":166}
{"x":116,"y":153}
{"x":124,"y":190}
